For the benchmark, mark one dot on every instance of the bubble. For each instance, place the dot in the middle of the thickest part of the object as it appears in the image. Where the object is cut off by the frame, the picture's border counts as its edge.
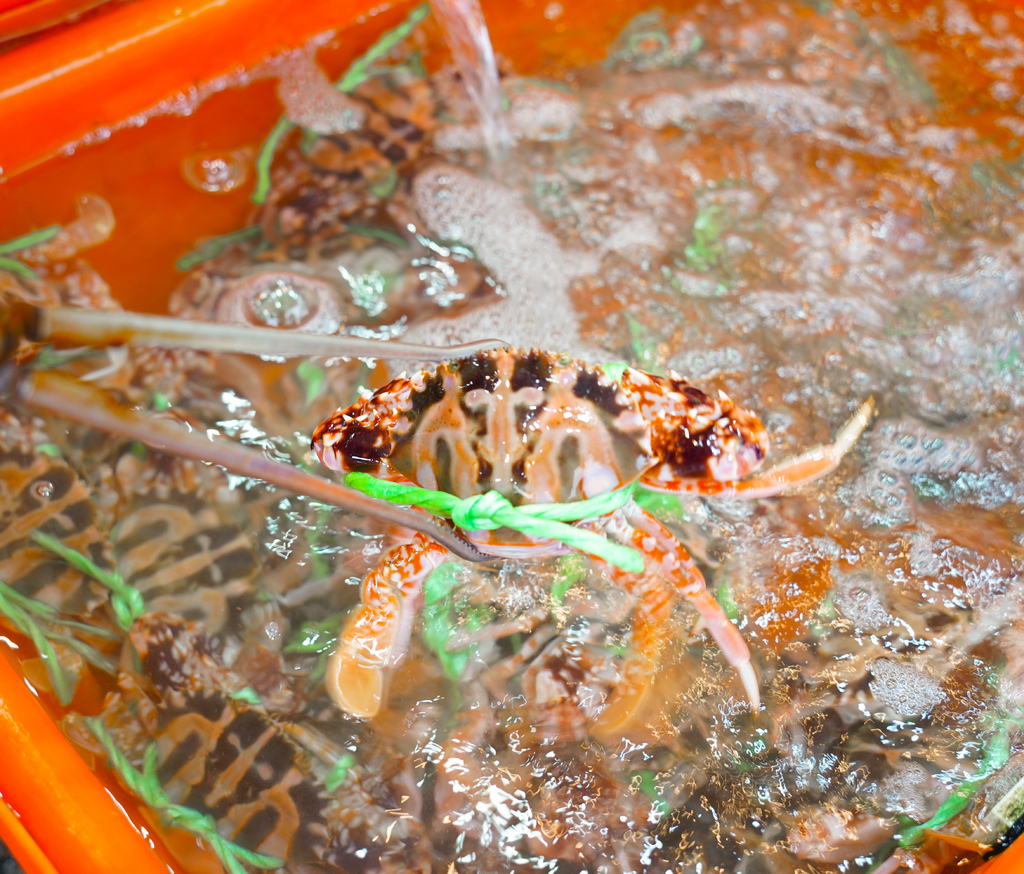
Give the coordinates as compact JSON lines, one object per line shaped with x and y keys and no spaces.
{"x":910,"y":446}
{"x":883,"y":497}
{"x":535,"y":113}
{"x":793,"y":107}
{"x":538,"y":113}
{"x":44,"y":489}
{"x":912,"y":791}
{"x":311,"y":100}
{"x":647,"y":44}
{"x":857,"y":597}
{"x":904,"y":688}
{"x":281,"y":305}
{"x":217,"y":172}
{"x":285,"y":299}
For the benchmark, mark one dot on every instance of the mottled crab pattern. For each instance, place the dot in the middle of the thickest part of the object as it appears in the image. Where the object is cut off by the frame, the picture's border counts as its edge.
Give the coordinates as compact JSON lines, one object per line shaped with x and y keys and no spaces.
{"x":260,"y":775}
{"x":538,"y":427}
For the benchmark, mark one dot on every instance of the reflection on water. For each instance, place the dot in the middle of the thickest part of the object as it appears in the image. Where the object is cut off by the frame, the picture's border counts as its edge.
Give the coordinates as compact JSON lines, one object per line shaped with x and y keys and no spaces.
{"x":796,"y":205}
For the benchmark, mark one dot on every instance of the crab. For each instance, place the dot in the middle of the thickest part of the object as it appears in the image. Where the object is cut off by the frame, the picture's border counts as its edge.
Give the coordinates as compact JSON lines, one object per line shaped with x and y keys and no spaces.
{"x":539,"y":427}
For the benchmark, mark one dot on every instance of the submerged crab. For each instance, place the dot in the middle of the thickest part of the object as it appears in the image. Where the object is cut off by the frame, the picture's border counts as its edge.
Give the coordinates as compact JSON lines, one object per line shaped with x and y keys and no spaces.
{"x":537,"y":428}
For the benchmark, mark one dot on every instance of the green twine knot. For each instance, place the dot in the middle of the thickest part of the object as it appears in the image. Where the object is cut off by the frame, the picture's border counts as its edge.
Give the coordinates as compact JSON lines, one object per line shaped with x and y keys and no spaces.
{"x":479,"y":512}
{"x":492,"y":510}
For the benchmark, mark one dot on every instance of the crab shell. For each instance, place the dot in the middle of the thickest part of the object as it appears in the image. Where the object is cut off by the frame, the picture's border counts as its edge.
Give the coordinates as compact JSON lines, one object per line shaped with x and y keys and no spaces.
{"x":538,"y":427}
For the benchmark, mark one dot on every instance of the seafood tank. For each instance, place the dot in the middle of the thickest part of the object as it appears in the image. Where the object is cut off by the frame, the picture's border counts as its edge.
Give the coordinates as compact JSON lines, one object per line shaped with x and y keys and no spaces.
{"x":805,"y":205}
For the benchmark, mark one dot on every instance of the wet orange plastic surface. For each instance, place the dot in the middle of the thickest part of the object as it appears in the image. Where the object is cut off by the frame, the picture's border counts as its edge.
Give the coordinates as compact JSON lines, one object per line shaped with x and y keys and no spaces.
{"x":56,"y":89}
{"x":125,"y":61}
{"x":18,"y":18}
{"x":66,"y":814}
{"x":32,"y":859}
{"x":1010,"y":862}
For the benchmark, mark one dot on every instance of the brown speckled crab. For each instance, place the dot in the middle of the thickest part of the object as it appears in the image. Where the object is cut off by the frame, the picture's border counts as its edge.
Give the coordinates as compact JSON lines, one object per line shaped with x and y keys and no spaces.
{"x":538,"y":427}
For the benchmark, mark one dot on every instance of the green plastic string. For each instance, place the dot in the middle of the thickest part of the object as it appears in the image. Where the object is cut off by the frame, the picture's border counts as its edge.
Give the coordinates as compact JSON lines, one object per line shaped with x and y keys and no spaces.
{"x":339,"y":772}
{"x":247,"y":695}
{"x":645,"y":781}
{"x":29,"y":240}
{"x":216,"y":246}
{"x":13,"y":265}
{"x":266,"y":157}
{"x":358,"y":73}
{"x":33,"y":619}
{"x":995,"y":755}
{"x":441,"y":618}
{"x":146,"y":785}
{"x":571,"y":570}
{"x":126,"y":601}
{"x":360,"y":70}
{"x":491,"y":510}
{"x":62,"y":683}
{"x":614,"y":371}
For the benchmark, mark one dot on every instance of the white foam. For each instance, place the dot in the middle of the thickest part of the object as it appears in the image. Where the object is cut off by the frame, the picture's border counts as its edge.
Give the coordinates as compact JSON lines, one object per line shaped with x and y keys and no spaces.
{"x":912,"y":791}
{"x":858,"y":598}
{"x":794,"y":107}
{"x":510,"y":241}
{"x":311,"y":100}
{"x":535,"y":113}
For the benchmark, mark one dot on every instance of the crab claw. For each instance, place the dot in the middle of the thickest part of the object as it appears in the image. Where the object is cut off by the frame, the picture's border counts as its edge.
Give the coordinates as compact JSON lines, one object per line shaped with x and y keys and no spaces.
{"x":806,"y":467}
{"x":748,"y":676}
{"x":354,"y":686}
{"x":730,"y":642}
{"x":376,"y":633}
{"x":370,"y":640}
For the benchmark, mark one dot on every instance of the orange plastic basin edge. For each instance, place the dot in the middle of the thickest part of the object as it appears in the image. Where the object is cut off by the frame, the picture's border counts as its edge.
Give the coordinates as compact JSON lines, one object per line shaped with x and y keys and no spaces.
{"x":63,"y":86}
{"x":1009,"y":862}
{"x":20,"y":17}
{"x":20,"y":843}
{"x":63,"y":806}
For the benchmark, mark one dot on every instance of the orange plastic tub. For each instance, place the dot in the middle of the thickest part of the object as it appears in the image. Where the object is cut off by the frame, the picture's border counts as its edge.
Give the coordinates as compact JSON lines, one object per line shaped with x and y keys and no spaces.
{"x":124,"y":61}
{"x":62,"y":86}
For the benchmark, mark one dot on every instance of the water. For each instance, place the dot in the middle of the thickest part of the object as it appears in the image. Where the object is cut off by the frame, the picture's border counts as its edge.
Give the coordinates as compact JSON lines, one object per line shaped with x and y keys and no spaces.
{"x":466,"y":33}
{"x":798,"y":206}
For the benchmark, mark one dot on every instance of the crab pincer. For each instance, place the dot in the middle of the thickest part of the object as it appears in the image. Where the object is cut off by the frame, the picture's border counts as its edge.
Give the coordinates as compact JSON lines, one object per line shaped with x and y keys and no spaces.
{"x":376,"y":633}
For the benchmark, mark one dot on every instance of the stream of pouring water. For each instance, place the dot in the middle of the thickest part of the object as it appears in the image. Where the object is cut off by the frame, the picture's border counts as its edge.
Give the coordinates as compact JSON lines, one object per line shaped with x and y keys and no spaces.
{"x":466,"y":32}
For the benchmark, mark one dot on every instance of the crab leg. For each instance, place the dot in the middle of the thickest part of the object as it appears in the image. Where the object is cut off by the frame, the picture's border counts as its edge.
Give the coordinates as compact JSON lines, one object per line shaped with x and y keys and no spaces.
{"x":76,"y":326}
{"x":674,"y":573}
{"x":376,"y":633}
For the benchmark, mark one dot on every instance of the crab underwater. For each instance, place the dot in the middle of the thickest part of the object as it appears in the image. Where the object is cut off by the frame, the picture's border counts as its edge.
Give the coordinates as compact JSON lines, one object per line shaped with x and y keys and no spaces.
{"x":801,"y":205}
